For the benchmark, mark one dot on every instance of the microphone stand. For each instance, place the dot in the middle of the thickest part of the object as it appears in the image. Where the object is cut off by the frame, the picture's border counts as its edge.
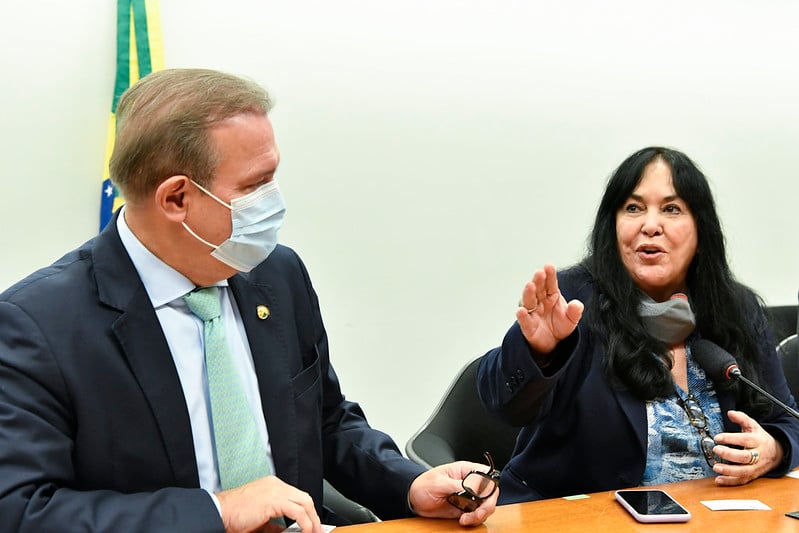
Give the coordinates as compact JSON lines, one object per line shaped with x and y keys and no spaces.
{"x":735,"y":373}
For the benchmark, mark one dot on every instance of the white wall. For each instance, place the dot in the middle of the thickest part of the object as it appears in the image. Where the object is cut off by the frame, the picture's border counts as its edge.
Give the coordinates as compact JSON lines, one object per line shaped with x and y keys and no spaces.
{"x":435,"y":153}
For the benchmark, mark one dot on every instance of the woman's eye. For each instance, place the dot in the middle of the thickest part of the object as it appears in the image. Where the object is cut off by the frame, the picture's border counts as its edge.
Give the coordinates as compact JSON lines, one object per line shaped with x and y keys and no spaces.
{"x":672,"y":209}
{"x":632,"y":208}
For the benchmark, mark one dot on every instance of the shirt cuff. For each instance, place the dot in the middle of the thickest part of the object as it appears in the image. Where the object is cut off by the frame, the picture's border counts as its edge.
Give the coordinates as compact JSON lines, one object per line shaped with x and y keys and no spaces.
{"x":216,"y":502}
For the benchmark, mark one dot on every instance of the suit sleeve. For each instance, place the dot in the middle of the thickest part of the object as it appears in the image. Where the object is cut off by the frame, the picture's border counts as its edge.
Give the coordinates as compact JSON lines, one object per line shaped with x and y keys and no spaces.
{"x":509,"y":382}
{"x":38,"y":486}
{"x":782,"y":426}
{"x":512,"y":386}
{"x":363,"y":463}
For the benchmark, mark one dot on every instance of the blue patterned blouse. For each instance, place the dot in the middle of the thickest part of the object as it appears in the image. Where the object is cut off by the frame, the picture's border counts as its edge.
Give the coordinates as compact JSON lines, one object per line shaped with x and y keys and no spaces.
{"x":674,"y":452}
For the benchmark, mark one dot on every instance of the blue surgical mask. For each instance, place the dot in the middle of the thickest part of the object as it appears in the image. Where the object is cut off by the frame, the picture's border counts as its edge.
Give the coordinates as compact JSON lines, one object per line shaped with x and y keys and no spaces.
{"x":256,"y":218}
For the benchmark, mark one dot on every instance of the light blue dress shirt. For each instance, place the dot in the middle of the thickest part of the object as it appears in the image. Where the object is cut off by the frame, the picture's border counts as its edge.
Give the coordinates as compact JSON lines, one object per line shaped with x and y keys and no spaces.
{"x":183,"y":330}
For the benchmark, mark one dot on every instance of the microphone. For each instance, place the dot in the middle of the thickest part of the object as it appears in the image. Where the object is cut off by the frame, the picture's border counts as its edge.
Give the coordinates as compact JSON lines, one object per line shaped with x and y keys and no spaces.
{"x":721,"y":366}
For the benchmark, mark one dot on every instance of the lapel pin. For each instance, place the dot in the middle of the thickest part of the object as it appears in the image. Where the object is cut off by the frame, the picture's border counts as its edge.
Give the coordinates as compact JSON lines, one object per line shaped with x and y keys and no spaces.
{"x":263,"y":312}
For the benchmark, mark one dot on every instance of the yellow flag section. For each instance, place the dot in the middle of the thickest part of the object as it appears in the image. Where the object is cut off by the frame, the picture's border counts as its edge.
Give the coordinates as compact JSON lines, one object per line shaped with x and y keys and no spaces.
{"x":140,"y":51}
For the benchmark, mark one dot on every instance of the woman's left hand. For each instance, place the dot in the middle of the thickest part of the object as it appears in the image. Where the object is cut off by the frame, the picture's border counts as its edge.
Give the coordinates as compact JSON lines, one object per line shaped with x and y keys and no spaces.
{"x":760,"y":452}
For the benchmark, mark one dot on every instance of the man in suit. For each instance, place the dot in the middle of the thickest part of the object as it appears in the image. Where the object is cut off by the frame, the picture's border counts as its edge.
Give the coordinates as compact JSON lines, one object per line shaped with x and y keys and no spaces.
{"x":108,"y":416}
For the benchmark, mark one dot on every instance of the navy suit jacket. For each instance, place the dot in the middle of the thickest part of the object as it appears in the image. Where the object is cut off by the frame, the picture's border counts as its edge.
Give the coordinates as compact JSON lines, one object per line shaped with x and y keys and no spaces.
{"x":581,"y":433}
{"x":94,"y":429}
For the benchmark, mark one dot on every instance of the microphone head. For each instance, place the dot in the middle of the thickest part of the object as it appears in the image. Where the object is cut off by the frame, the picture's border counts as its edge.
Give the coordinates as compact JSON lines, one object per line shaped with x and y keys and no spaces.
{"x":718,"y":363}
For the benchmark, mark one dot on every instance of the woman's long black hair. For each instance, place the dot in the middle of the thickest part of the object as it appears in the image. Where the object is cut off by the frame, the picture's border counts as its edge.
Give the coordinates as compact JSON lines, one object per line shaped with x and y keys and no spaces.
{"x":719,"y":302}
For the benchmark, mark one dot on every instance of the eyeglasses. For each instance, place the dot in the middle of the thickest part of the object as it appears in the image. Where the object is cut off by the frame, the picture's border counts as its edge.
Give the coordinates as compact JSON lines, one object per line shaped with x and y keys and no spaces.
{"x":477,"y":486}
{"x":698,"y":419}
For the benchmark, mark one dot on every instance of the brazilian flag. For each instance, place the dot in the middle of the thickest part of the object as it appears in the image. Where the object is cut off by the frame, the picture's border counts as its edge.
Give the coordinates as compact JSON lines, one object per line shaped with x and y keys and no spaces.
{"x":140,"y":51}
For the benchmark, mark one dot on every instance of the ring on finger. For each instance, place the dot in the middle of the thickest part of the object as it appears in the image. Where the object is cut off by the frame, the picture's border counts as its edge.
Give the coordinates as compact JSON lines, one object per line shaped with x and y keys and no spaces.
{"x":531,"y":310}
{"x":755,"y":457}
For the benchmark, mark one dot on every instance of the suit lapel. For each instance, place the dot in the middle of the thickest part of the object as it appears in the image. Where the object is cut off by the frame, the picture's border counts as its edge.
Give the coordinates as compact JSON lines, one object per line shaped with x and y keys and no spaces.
{"x":144,"y":346}
{"x":636,"y":416}
{"x":270,"y":353}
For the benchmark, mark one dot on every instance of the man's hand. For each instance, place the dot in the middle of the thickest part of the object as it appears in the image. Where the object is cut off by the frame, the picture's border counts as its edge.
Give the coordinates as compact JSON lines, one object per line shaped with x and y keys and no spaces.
{"x":251,"y":506}
{"x":429,"y":491}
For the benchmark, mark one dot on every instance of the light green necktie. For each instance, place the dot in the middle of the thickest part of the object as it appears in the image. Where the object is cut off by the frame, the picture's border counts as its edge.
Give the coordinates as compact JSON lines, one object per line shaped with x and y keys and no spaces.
{"x":240,"y":452}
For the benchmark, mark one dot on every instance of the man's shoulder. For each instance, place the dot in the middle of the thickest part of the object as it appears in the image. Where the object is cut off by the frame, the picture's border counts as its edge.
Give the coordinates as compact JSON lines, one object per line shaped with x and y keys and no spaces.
{"x":282,"y":253}
{"x":282,"y":258}
{"x":53,"y":281}
{"x":282,"y":264}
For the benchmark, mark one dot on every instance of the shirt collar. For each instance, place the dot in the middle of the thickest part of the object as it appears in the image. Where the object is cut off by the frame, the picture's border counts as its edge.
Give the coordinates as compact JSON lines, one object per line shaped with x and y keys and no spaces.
{"x":162,"y":282}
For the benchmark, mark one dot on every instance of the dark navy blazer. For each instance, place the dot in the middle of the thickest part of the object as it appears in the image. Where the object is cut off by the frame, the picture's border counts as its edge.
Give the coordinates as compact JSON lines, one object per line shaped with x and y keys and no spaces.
{"x":94,"y":429}
{"x":580,"y":433}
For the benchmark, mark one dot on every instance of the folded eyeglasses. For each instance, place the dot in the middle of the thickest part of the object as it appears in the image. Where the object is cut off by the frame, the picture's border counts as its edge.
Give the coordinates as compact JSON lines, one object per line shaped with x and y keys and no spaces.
{"x":477,"y":486}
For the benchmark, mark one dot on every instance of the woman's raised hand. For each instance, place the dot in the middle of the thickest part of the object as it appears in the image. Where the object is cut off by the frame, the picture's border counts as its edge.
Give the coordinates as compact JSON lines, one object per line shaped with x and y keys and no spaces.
{"x":544,"y":315}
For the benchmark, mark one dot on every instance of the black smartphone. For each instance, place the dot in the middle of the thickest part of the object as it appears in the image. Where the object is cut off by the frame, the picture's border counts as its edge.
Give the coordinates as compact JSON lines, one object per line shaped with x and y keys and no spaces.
{"x":652,"y":506}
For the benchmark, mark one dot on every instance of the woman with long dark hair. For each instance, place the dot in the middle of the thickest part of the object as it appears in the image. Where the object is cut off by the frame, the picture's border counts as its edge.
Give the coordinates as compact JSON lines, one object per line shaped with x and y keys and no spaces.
{"x":598,"y":368}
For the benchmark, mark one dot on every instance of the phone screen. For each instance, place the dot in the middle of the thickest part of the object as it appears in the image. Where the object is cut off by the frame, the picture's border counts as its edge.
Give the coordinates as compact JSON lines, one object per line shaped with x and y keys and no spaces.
{"x":652,"y":502}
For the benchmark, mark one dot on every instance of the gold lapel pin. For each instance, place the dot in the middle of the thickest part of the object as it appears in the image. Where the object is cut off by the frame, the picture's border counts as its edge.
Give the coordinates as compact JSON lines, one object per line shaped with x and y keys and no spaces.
{"x":263,"y":312}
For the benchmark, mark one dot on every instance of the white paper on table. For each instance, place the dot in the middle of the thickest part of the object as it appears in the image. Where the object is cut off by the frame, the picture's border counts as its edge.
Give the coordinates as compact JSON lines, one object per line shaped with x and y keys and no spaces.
{"x":735,"y":505}
{"x":294,"y":528}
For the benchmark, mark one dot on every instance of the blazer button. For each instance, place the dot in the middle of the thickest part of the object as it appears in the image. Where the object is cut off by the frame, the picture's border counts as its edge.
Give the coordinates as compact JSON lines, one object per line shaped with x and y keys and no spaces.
{"x":520,"y":374}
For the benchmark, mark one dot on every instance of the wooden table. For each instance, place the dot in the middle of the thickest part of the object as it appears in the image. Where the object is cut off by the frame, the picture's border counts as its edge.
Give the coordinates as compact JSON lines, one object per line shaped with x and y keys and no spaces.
{"x":601,"y":512}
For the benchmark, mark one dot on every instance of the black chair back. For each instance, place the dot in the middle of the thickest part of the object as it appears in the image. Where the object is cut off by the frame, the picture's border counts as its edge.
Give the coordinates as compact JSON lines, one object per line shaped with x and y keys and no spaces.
{"x":783,"y":319}
{"x":350,"y":511}
{"x":788,"y":351}
{"x":460,"y":428}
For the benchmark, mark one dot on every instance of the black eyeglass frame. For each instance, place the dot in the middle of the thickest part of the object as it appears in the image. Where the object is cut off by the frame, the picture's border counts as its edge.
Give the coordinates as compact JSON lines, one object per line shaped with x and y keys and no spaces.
{"x":467,"y":500}
{"x":698,"y":419}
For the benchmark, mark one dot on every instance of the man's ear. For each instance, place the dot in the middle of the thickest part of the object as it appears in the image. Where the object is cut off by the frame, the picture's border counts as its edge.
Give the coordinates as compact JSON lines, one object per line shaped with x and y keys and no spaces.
{"x":171,"y":197}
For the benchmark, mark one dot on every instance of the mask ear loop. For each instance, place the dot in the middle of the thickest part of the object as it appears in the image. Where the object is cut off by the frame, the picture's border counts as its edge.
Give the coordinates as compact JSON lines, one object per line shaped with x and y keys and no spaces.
{"x":212,"y":195}
{"x":214,"y":246}
{"x":209,"y":193}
